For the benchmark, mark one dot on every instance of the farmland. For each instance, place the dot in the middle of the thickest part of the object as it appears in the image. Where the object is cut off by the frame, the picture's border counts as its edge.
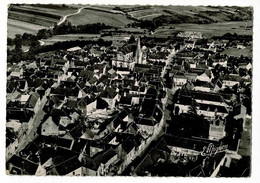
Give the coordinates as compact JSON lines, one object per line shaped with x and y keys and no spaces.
{"x":69,"y":37}
{"x":89,"y":16}
{"x":189,"y":14}
{"x":31,"y":18}
{"x":117,"y":40}
{"x":208,"y":30}
{"x":19,"y":27}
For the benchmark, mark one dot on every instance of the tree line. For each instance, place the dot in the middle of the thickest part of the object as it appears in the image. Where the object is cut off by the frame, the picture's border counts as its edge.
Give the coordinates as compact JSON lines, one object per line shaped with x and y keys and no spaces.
{"x":31,"y":40}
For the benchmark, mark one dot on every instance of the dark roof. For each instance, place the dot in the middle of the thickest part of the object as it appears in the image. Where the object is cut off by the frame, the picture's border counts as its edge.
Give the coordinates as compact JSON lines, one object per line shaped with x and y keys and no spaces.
{"x":230,"y":77}
{"x":142,"y":121}
{"x":10,"y":86}
{"x":237,"y":110}
{"x":101,"y":157}
{"x":65,"y":143}
{"x":27,"y":166}
{"x":108,"y":93}
{"x":101,"y":104}
{"x":68,"y":166}
{"x":184,"y":100}
{"x":212,"y":108}
{"x":203,"y":84}
{"x":21,"y":115}
{"x":147,"y":107}
{"x":10,"y":137}
{"x":128,"y":145}
{"x":106,"y":156}
{"x":187,"y":143}
{"x":77,"y":131}
{"x":126,"y":99}
{"x":45,"y":154}
{"x":128,"y":82}
{"x":206,"y":96}
{"x":33,"y":100}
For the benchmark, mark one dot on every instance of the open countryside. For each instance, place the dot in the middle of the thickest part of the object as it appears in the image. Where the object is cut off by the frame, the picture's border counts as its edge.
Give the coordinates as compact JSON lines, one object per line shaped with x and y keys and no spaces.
{"x":88,"y":16}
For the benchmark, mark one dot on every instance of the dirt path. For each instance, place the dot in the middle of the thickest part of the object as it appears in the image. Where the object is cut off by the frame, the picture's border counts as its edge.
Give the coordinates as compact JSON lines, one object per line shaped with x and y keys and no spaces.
{"x":66,"y":16}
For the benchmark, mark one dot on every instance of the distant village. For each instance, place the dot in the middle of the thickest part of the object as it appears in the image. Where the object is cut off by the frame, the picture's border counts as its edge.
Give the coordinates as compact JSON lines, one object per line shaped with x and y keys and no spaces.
{"x":136,"y":110}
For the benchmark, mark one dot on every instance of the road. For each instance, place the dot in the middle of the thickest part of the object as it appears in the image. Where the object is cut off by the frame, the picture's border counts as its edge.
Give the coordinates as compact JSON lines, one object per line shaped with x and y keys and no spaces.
{"x":173,"y":52}
{"x":66,"y":16}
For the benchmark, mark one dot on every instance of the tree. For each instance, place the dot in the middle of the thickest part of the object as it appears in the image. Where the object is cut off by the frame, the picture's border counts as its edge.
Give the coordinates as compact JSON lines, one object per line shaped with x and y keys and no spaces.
{"x":132,"y":39}
{"x":18,"y":41}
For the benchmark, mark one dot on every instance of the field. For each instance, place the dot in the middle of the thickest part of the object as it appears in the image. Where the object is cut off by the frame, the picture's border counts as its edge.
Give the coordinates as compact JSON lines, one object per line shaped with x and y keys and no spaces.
{"x":31,"y":18}
{"x":89,"y":16}
{"x":208,"y":30}
{"x":19,"y":27}
{"x":247,"y":52}
{"x":69,"y":37}
{"x":190,"y":14}
{"x":117,"y":40}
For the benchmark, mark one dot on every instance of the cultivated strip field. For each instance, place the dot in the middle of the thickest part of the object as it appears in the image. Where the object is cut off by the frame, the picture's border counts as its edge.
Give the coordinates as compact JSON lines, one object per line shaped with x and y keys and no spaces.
{"x":190,"y":13}
{"x":20,"y":27}
{"x":70,"y":37}
{"x":89,"y":16}
{"x":31,"y":18}
{"x":208,"y":30}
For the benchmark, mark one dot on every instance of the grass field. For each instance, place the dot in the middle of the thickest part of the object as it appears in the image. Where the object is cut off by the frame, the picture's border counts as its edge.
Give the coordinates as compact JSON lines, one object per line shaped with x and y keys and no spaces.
{"x":53,"y":9}
{"x":247,"y":52}
{"x":18,"y":27}
{"x":193,"y":13}
{"x":88,"y":16}
{"x":208,"y":30}
{"x":31,"y":18}
{"x":70,"y":37}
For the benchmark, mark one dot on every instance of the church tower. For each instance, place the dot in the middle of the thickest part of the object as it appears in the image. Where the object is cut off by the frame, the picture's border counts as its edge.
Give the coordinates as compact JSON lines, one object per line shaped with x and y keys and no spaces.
{"x":138,"y":53}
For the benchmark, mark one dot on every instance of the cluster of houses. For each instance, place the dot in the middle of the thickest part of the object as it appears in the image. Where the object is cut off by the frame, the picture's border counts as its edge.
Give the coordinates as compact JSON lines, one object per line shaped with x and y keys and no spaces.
{"x":200,"y":79}
{"x":93,"y":116}
{"x":93,"y":110}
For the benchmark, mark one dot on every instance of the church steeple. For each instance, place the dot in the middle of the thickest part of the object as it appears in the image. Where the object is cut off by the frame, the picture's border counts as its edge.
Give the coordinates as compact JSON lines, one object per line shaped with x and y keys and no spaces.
{"x":138,"y":53}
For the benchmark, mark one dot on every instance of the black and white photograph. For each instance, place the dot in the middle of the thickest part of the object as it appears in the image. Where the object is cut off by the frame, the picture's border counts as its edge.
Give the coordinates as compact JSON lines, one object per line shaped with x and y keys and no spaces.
{"x":128,"y":90}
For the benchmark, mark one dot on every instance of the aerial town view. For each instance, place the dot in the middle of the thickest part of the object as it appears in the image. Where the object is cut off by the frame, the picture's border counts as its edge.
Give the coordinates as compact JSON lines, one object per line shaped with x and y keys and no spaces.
{"x":129,"y":90}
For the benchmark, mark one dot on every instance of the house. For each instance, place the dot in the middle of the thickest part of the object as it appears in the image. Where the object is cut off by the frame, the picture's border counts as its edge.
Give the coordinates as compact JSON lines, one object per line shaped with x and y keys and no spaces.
{"x":33,"y":102}
{"x":179,"y":79}
{"x":207,"y":98}
{"x":21,"y":166}
{"x":205,"y":76}
{"x":146,"y":127}
{"x":239,"y":112}
{"x":16,"y":73}
{"x":21,"y":116}
{"x":230,"y":80}
{"x":217,"y":130}
{"x":189,"y":147}
{"x":182,"y":104}
{"x":100,"y":164}
{"x":70,"y":167}
{"x":87,"y":104}
{"x":211,"y":111}
{"x":203,"y":86}
{"x":49,"y":127}
{"x":110,"y":96}
{"x":221,"y":62}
